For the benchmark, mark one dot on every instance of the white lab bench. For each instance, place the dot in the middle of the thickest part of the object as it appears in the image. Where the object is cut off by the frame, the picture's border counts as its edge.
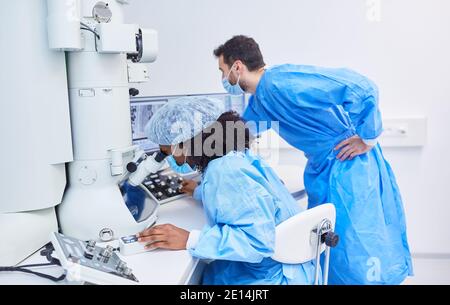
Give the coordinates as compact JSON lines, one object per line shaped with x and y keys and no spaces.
{"x":171,"y":267}
{"x":151,"y":268}
{"x":160,"y":267}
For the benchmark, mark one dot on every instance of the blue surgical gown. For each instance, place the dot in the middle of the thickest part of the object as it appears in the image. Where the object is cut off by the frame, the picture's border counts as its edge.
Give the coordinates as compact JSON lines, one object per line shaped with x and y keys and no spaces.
{"x":244,"y":201}
{"x":317,"y":108}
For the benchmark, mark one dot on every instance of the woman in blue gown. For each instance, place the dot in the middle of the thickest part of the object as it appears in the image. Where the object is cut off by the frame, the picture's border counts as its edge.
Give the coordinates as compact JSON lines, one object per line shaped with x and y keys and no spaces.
{"x":242,"y":197}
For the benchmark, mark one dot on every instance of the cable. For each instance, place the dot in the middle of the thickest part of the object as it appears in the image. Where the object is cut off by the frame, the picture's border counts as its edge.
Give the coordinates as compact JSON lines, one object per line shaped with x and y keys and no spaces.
{"x":92,"y":31}
{"x":43,"y":275}
{"x":47,"y":252}
{"x":86,"y":27}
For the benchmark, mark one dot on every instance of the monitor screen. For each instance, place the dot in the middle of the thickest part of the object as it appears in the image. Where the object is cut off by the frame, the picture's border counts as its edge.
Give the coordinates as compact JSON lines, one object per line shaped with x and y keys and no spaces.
{"x":142,"y":111}
{"x":143,"y":108}
{"x":231,"y":102}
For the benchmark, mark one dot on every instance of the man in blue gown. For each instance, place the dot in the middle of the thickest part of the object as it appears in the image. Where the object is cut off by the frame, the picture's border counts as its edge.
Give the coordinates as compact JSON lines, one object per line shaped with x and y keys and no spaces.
{"x":332,"y":116}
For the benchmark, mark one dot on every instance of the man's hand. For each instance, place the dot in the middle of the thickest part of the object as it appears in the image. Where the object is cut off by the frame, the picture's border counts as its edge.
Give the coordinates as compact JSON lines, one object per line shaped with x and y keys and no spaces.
{"x":189,"y":187}
{"x":351,"y":148}
{"x":164,"y":237}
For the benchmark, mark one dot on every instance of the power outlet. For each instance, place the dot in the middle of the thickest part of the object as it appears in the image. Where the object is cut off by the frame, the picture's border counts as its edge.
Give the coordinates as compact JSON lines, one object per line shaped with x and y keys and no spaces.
{"x":404,"y":132}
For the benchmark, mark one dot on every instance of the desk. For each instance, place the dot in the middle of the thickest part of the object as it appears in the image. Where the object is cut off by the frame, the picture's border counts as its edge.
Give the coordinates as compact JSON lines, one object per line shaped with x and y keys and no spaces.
{"x":159,"y":267}
{"x":155,"y":267}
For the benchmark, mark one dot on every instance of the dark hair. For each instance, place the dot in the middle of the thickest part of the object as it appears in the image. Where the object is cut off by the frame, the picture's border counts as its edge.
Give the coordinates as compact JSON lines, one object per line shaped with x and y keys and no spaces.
{"x":241,"y":48}
{"x":228,"y":133}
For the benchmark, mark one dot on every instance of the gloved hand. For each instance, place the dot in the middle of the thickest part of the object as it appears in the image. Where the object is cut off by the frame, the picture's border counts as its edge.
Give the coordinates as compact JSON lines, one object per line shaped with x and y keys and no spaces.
{"x":351,"y":148}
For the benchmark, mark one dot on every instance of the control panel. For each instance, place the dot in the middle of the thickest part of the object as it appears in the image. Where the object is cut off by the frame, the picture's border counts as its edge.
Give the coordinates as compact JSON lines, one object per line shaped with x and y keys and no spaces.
{"x":164,"y":188}
{"x":87,"y":262}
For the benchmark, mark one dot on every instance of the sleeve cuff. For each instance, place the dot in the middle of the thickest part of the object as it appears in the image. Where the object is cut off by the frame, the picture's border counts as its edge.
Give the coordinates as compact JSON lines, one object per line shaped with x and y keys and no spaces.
{"x":372,"y":142}
{"x":197,"y":195}
{"x":192,"y":241}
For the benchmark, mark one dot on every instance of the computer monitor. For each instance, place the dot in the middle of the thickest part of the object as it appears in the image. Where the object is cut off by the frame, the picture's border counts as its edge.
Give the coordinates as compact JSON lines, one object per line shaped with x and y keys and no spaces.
{"x":143,"y":108}
{"x":231,"y":102}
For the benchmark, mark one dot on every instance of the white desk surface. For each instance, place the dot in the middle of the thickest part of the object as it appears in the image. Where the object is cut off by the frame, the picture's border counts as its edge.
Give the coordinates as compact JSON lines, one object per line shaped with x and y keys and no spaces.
{"x":169,"y":267}
{"x":155,"y":267}
{"x":159,"y":267}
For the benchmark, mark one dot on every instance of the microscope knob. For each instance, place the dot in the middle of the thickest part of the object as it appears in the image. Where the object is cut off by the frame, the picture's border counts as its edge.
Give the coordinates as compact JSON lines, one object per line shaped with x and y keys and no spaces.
{"x":88,"y":255}
{"x":127,"y":272}
{"x":106,"y":254}
{"x":132,"y":167}
{"x":121,"y":266}
{"x":133,"y":92}
{"x":90,"y":246}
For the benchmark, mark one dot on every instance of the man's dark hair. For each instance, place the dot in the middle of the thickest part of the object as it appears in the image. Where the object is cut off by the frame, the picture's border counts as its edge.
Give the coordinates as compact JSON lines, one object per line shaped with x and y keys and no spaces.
{"x":241,"y":48}
{"x":228,"y":133}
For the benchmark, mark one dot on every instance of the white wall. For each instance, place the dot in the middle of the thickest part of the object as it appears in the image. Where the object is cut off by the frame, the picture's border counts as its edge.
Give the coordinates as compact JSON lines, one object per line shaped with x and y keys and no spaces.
{"x":407,"y":53}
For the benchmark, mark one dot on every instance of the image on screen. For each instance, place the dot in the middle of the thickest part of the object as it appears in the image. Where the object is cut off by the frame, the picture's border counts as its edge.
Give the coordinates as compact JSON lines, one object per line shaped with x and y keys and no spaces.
{"x":141,"y":112}
{"x":143,"y":108}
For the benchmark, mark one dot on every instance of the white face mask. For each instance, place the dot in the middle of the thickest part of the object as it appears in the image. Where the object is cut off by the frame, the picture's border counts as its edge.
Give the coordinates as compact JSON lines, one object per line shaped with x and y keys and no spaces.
{"x":232,"y":89}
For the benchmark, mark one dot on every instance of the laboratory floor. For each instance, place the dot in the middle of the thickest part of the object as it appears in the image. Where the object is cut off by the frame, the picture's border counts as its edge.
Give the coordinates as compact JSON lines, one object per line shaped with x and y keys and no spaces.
{"x":430,"y":271}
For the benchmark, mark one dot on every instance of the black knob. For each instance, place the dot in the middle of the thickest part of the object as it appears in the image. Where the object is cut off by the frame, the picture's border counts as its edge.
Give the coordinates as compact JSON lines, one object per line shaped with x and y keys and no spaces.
{"x":160,"y":156}
{"x":132,"y":167}
{"x":134,"y":92}
{"x":88,"y":255}
{"x":330,"y":239}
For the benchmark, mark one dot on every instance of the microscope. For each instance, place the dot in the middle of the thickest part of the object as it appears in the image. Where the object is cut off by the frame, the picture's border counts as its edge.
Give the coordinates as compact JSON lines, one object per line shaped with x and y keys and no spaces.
{"x":66,"y":122}
{"x":103,"y":56}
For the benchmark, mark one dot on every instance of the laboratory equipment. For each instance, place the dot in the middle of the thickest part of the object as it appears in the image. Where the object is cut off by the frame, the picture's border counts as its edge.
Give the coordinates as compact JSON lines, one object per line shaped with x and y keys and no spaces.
{"x":84,"y":261}
{"x":71,"y":108}
{"x":165,"y":186}
{"x":139,"y":203}
{"x":35,"y":130}
{"x":129,"y":245}
{"x":144,"y":166}
{"x":98,"y":78}
{"x":142,"y":110}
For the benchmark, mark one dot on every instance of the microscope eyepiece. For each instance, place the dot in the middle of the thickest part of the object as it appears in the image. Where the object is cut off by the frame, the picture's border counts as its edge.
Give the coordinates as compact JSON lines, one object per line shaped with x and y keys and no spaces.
{"x":160,"y":156}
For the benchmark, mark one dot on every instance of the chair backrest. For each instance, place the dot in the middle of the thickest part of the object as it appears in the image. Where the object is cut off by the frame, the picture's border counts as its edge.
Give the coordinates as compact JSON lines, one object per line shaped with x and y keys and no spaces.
{"x":296,"y":238}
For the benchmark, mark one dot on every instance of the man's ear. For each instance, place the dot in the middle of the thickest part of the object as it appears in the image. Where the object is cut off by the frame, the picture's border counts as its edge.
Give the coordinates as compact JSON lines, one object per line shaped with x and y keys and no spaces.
{"x":239,"y":65}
